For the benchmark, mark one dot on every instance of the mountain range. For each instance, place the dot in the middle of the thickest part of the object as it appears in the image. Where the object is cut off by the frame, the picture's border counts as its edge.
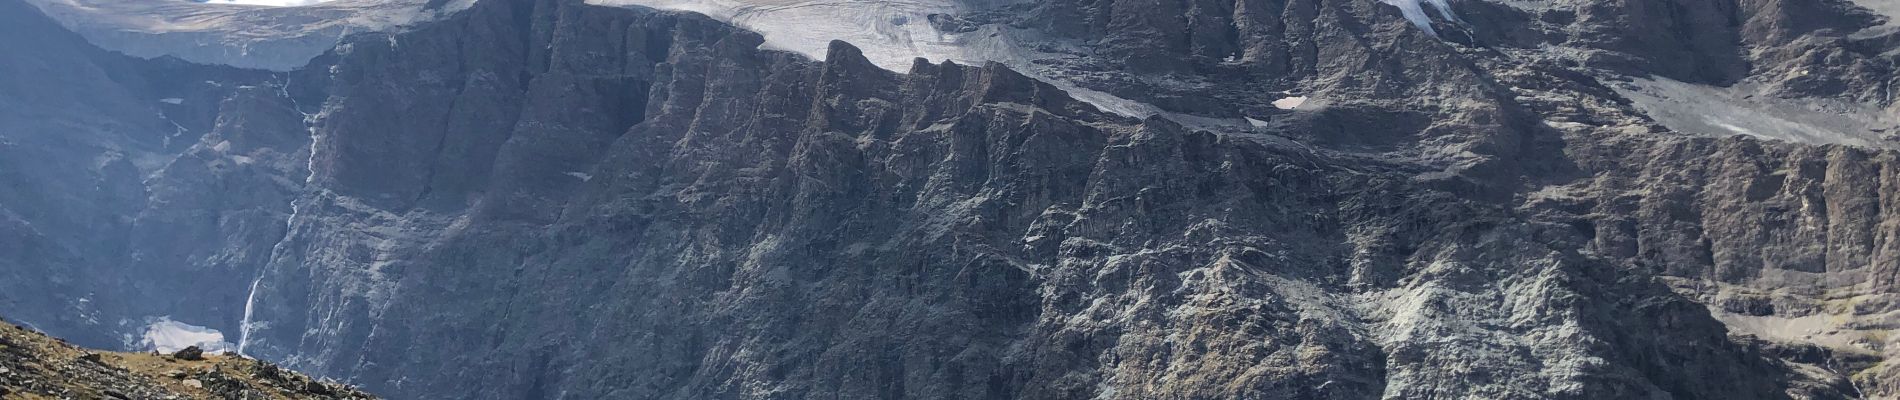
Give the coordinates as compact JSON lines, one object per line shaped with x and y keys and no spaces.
{"x":1040,"y":199}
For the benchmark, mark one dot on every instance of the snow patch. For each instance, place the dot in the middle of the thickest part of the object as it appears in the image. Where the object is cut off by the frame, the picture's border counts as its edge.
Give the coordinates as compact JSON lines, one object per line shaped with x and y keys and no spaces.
{"x":580,"y":175}
{"x":1290,"y":102}
{"x":172,"y":101}
{"x":166,"y":335}
{"x":1414,"y":11}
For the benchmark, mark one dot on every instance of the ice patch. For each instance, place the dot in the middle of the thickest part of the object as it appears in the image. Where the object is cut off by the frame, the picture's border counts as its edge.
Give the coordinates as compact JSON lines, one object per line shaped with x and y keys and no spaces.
{"x":581,"y":176}
{"x":1290,"y":102}
{"x":166,"y":335}
{"x":1415,"y":11}
{"x":1257,"y":123}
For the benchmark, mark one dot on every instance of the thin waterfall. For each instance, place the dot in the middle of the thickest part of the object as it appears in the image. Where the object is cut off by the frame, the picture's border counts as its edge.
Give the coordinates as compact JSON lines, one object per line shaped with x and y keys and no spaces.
{"x":249,"y":323}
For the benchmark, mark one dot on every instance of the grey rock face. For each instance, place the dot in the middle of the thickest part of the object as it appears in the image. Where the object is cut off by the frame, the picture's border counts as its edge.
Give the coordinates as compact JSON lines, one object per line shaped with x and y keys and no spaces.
{"x":774,"y":227}
{"x":546,"y":199}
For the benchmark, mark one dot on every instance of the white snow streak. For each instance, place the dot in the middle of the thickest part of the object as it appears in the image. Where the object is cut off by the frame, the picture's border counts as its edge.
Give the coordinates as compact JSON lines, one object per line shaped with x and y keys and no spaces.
{"x":1415,"y":11}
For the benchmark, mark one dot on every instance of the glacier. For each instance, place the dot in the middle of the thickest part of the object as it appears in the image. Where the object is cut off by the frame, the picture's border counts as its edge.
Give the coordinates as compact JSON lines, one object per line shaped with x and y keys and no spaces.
{"x":266,"y":3}
{"x":890,"y":33}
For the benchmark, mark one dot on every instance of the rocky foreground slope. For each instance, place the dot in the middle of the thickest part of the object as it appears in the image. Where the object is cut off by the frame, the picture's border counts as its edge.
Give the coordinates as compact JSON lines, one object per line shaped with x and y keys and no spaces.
{"x":549,"y":199}
{"x":36,"y":366}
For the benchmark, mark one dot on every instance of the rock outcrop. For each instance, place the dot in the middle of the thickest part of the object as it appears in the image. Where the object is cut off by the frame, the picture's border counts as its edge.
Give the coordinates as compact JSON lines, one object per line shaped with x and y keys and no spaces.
{"x":34,"y":366}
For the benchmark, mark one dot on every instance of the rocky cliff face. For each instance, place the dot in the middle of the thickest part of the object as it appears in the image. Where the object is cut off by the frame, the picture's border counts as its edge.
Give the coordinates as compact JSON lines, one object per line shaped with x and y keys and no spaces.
{"x":547,"y":199}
